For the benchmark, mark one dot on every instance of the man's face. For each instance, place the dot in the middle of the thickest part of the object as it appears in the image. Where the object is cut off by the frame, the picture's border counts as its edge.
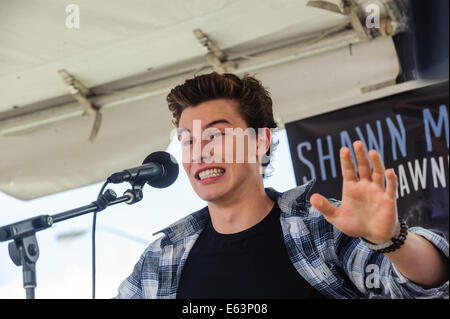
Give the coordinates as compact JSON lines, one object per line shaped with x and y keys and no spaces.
{"x":218,"y":163}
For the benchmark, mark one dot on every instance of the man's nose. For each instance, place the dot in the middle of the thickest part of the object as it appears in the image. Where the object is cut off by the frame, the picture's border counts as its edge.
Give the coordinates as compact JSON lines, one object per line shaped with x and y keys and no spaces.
{"x":199,"y":154}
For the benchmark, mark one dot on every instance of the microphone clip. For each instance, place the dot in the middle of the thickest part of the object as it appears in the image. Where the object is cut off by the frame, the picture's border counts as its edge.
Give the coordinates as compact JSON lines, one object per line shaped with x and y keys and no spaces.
{"x":135,"y":194}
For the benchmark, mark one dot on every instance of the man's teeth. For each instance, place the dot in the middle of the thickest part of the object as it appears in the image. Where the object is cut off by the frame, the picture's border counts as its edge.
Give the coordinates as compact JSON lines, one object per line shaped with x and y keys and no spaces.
{"x":213,"y":172}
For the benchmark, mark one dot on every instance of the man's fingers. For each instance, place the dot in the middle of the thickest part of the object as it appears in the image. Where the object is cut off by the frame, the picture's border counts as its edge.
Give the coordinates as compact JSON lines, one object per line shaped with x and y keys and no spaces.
{"x":362,"y":160}
{"x":347,"y":165}
{"x":391,"y":188}
{"x":378,"y":172}
{"x":323,"y":205}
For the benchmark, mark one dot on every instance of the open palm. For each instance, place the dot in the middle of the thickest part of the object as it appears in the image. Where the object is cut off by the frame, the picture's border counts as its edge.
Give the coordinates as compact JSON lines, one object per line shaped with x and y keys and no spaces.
{"x":368,"y":208}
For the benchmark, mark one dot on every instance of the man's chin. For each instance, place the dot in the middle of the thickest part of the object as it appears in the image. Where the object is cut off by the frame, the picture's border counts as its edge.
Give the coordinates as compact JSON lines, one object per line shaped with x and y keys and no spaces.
{"x":211,"y":195}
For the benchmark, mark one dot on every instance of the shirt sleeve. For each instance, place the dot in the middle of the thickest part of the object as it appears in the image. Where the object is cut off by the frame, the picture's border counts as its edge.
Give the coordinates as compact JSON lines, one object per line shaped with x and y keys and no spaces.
{"x":375,"y":276}
{"x":143,"y":281}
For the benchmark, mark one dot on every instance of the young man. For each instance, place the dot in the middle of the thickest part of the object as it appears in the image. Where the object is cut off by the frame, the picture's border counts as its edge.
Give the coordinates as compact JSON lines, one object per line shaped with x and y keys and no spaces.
{"x":251,"y":242}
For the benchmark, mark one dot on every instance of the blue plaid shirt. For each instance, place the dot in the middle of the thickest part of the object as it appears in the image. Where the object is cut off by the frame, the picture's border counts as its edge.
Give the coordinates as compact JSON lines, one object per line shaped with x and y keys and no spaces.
{"x":337,"y":265}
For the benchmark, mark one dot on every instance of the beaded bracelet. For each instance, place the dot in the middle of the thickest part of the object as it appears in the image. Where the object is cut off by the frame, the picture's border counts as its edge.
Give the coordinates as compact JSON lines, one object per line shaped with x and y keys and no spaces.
{"x":395,"y":243}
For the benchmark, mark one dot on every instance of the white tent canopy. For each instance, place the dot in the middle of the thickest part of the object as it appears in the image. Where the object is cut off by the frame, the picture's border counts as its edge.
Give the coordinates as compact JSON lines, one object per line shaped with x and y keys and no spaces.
{"x":117,"y":39}
{"x":131,"y":53}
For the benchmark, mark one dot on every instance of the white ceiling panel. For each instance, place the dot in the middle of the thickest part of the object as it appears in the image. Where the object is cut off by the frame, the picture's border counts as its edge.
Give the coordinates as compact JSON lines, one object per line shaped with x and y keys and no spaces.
{"x":117,"y":39}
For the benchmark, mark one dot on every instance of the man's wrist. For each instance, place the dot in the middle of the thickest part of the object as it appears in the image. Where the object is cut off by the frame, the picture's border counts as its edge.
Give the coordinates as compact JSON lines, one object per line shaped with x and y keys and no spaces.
{"x":394,"y":243}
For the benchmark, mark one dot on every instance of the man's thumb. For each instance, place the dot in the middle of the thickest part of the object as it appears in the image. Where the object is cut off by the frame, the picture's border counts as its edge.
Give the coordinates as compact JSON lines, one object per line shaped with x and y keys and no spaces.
{"x":323,"y":205}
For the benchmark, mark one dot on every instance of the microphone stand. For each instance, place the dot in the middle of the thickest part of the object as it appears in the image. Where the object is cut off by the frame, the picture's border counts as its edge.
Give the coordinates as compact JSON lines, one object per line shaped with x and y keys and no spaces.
{"x":24,"y":249}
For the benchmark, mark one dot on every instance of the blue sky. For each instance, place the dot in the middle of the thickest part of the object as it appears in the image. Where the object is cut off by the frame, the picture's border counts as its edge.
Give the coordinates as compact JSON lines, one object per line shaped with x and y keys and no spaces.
{"x":64,"y":266}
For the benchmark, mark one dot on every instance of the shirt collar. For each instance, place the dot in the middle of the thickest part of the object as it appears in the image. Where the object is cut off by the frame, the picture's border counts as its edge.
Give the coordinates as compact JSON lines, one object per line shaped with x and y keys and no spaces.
{"x":291,"y":202}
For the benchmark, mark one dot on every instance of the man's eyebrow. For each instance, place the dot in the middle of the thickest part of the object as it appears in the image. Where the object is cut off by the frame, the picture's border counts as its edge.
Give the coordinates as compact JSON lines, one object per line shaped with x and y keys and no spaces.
{"x":218,"y":122}
{"x":182,"y":129}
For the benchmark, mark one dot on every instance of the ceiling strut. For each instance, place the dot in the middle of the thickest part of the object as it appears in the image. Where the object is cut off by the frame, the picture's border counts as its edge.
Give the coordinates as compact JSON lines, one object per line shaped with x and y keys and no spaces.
{"x":82,"y":93}
{"x":214,"y":55}
{"x":348,"y":8}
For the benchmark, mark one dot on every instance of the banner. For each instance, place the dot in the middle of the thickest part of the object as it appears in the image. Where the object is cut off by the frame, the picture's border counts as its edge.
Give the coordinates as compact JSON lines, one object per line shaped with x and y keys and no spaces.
{"x":410,"y":130}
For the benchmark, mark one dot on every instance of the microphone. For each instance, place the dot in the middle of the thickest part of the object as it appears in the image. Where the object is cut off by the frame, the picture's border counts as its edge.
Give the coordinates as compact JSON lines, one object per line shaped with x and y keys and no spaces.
{"x":159,"y":170}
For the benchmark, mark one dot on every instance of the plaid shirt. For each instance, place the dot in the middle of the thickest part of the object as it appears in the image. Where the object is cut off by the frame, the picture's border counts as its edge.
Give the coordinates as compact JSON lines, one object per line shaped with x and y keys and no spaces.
{"x":337,"y":265}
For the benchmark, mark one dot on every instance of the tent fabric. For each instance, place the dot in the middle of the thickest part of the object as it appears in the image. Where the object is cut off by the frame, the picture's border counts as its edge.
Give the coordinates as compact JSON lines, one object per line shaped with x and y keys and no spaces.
{"x":120,"y":39}
{"x":117,"y":39}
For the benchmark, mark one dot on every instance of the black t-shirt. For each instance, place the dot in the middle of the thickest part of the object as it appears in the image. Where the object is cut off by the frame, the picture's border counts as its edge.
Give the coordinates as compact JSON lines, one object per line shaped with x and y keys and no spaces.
{"x":253,"y":263}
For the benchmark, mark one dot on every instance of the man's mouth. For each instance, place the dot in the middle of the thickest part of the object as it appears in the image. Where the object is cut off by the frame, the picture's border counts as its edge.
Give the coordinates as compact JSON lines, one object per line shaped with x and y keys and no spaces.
{"x":209,"y":173}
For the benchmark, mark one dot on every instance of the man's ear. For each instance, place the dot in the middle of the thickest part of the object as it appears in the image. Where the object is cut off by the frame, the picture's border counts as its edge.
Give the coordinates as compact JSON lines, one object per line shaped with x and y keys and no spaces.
{"x":264,"y":138}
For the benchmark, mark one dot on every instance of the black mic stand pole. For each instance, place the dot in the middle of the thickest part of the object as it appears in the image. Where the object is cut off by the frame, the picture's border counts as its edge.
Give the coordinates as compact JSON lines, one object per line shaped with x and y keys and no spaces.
{"x":24,"y":249}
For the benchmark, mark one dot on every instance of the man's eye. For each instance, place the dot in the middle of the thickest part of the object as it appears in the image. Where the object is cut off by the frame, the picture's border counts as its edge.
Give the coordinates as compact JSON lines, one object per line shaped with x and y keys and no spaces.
{"x":218,"y":134}
{"x":186,"y":142}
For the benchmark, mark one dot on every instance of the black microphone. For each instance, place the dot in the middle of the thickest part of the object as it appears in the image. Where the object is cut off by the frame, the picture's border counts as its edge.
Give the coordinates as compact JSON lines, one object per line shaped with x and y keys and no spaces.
{"x":159,"y":169}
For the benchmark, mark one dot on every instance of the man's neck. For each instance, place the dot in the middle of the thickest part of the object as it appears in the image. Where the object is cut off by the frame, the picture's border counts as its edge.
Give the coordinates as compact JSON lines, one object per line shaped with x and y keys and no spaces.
{"x":244,"y":209}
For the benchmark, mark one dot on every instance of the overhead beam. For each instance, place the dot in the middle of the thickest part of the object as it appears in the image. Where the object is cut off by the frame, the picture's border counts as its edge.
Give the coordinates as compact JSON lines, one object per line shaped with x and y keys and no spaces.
{"x":214,"y":55}
{"x":81,"y":93}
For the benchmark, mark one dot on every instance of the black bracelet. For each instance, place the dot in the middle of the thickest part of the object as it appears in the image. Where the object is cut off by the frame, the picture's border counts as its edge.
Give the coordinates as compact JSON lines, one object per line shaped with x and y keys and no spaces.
{"x":395,"y":243}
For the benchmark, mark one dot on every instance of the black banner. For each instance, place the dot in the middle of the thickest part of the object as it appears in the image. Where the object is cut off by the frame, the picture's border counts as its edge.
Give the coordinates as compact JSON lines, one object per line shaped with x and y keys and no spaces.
{"x":410,"y":131}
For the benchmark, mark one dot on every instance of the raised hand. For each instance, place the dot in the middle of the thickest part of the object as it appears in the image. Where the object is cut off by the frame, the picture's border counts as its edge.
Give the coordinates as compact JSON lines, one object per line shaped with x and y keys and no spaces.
{"x":368,"y":207}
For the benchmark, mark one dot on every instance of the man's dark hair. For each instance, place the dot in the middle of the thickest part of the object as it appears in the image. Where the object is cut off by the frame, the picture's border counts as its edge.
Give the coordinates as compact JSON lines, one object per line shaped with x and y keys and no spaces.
{"x":254,"y":101}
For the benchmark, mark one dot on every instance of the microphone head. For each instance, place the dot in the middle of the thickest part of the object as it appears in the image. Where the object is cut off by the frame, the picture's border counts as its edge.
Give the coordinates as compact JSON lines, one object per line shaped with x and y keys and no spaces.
{"x":170,"y":166}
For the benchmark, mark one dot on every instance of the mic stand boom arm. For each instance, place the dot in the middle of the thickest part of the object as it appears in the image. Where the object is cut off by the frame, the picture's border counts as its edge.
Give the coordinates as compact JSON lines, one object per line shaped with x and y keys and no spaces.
{"x":24,"y":249}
